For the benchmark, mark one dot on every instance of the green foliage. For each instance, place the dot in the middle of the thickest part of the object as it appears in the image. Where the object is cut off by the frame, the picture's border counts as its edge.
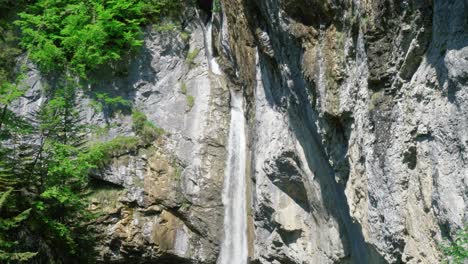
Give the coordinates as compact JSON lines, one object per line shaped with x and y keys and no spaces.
{"x":8,"y":53}
{"x":456,"y":251}
{"x":7,"y":224}
{"x":54,"y":171}
{"x":185,"y":205}
{"x":190,"y":101}
{"x":144,"y":128}
{"x":101,"y":153}
{"x":183,"y":88}
{"x":185,"y":36}
{"x":45,"y":168}
{"x":10,"y":4}
{"x":84,"y":35}
{"x":365,"y":21}
{"x":8,"y":252}
{"x":10,"y":88}
{"x":157,"y":11}
{"x":10,"y":92}
{"x":9,"y":121}
{"x":11,"y":125}
{"x":165,"y":27}
{"x":80,"y":35}
{"x":59,"y":173}
{"x":106,"y":195}
{"x":55,"y":211}
{"x":107,"y":104}
{"x":216,"y":6}
{"x":190,"y":60}
{"x":16,"y":257}
{"x":4,"y":197}
{"x":58,"y":120}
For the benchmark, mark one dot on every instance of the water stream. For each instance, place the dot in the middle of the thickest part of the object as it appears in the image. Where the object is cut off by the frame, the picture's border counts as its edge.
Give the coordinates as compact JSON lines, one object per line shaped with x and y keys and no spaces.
{"x":234,"y":246}
{"x":214,"y":66}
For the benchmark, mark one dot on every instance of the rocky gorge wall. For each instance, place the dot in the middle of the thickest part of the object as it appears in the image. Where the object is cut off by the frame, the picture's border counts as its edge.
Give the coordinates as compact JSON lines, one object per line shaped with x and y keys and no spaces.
{"x":357,"y":124}
{"x":359,"y":133}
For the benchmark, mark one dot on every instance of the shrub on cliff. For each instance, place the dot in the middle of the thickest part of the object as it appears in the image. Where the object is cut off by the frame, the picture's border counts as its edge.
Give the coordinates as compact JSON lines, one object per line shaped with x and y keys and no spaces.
{"x":83,"y":35}
{"x":144,"y":128}
{"x":80,"y":35}
{"x":456,"y":251}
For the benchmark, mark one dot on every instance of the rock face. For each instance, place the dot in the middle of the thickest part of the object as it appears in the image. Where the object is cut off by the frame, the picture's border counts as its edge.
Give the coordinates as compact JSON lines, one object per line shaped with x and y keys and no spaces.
{"x":171,"y":208}
{"x":358,"y":130}
{"x":357,"y":115}
{"x":160,"y":202}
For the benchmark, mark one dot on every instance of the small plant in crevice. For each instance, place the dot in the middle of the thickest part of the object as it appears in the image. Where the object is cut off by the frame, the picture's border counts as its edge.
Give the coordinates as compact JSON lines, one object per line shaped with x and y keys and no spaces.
{"x":191,"y":55}
{"x":185,"y":205}
{"x":183,"y":88}
{"x":365,"y":21}
{"x":178,"y":170}
{"x":190,"y":101}
{"x":185,"y":36}
{"x":145,"y":129}
{"x":165,"y":27}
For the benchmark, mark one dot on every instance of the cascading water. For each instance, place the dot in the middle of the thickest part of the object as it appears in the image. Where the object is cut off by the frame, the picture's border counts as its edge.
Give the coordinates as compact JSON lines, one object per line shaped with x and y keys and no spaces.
{"x":214,"y":67}
{"x":234,"y":246}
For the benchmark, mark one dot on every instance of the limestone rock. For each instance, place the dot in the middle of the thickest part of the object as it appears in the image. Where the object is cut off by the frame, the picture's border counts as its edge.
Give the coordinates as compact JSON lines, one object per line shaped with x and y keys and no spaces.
{"x":357,"y":114}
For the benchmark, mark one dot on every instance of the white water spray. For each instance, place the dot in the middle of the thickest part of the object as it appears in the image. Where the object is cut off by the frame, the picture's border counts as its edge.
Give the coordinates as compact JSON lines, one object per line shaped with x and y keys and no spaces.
{"x":234,"y":247}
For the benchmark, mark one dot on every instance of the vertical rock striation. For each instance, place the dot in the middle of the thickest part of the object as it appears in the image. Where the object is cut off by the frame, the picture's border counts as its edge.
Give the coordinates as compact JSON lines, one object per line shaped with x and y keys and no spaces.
{"x":358,"y":129}
{"x":356,"y":135}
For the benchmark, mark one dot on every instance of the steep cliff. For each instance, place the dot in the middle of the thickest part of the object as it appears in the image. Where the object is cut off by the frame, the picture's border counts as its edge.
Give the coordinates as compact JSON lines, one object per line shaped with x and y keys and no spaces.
{"x":356,"y":134}
{"x":358,"y":130}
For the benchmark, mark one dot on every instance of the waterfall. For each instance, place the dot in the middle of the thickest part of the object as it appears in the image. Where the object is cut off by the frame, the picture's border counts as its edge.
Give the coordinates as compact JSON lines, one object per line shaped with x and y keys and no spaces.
{"x":234,"y":246}
{"x":213,"y":64}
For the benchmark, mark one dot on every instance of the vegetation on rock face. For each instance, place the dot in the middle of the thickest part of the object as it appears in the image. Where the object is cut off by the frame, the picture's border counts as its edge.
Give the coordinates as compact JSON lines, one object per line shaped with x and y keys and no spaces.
{"x":7,"y":225}
{"x":46,"y":168}
{"x":45,"y":159}
{"x":109,"y":105}
{"x":183,"y":88}
{"x":84,"y":35}
{"x":80,"y":35}
{"x":190,"y":101}
{"x":216,"y":6}
{"x":456,"y":251}
{"x":145,"y":129}
{"x":190,"y":60}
